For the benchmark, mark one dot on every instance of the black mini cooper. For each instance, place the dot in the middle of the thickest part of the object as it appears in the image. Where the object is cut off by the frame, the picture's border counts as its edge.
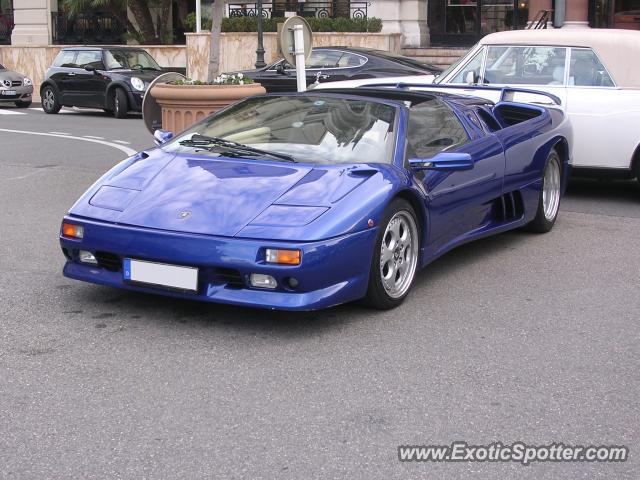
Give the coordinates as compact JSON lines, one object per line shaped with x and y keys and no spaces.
{"x":111,"y":78}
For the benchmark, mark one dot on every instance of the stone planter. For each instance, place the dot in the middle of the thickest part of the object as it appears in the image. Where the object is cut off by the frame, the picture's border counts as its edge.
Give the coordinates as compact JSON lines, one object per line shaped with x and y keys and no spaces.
{"x":184,"y":105}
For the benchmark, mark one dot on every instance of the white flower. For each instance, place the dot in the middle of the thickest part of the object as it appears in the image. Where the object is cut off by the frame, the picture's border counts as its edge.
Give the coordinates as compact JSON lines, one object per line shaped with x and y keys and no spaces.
{"x":240,"y":75}
{"x":241,"y":82}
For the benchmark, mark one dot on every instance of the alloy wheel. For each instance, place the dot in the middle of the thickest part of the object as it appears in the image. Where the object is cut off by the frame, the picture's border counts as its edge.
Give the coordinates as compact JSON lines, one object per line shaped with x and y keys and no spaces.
{"x":398,"y":254}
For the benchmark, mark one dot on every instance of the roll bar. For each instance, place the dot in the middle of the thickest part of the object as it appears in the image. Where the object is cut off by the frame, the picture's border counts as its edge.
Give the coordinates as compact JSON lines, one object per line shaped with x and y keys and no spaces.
{"x":506,"y":93}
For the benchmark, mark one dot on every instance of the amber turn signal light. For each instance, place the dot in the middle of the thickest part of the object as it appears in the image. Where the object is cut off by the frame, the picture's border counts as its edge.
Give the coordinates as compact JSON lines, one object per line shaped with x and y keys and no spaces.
{"x":72,"y":231}
{"x":285,"y":257}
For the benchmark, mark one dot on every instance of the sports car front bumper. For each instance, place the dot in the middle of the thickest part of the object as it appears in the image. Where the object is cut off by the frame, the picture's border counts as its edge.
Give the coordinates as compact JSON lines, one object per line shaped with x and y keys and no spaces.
{"x":331,"y":271}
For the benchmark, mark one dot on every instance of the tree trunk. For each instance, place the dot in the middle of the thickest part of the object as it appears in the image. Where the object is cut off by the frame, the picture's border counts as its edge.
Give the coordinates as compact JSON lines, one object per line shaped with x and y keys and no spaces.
{"x":217,"y":12}
{"x":163,"y":28}
{"x":343,"y":8}
{"x":121,"y":13}
{"x":142,"y":14}
{"x":183,"y":10}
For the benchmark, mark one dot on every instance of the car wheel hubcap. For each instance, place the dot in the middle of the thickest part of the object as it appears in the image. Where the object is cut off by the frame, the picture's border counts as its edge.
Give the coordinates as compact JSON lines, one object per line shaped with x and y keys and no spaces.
{"x":551,"y":190}
{"x":398,"y":254}
{"x":48,"y":99}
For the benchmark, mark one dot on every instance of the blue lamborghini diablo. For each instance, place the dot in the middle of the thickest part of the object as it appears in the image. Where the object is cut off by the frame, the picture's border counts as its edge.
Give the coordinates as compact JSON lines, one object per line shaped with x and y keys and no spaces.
{"x":304,"y":201}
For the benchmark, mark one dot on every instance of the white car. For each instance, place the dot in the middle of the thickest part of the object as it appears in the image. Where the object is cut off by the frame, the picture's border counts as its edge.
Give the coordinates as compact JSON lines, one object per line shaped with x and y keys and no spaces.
{"x":594,"y":73}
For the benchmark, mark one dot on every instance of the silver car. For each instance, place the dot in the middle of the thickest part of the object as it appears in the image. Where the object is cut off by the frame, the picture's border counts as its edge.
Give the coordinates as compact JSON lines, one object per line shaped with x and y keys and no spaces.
{"x":15,"y":88}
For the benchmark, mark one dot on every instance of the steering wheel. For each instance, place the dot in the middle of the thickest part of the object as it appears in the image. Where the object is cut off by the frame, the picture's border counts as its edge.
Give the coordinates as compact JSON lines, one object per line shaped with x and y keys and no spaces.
{"x":133,"y":67}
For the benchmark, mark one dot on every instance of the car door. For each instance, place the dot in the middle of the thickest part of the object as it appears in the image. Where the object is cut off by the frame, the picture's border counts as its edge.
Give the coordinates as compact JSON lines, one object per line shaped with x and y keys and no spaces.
{"x":63,"y":65}
{"x":279,"y":77}
{"x":614,"y":115}
{"x":459,"y":202}
{"x":88,"y":88}
{"x":323,"y":65}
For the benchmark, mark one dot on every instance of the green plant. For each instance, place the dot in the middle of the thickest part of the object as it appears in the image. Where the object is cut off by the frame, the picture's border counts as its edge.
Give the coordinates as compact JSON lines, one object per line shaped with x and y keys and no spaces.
{"x":250,"y":24}
{"x":224,"y":79}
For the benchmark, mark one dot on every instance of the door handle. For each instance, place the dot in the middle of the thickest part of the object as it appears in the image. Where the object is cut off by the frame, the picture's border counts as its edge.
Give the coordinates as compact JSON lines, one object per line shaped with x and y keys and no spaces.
{"x":72,"y":74}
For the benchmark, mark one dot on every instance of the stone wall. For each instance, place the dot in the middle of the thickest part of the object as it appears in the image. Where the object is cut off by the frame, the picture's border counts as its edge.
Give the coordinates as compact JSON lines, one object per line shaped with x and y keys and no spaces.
{"x":238,"y":52}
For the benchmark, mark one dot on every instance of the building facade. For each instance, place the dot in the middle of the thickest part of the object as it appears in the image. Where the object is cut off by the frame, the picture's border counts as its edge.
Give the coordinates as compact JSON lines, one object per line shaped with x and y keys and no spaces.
{"x":421,"y":22}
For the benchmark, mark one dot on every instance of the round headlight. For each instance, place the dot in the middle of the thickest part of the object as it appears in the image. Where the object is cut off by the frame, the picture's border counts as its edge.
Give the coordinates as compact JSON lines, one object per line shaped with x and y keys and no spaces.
{"x":137,"y":83}
{"x":27,"y":82}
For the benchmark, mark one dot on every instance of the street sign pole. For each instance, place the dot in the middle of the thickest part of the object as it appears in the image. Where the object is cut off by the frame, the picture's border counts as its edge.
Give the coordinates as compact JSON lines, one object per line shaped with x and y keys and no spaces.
{"x":296,"y":40}
{"x":301,"y":72}
{"x":198,"y":16}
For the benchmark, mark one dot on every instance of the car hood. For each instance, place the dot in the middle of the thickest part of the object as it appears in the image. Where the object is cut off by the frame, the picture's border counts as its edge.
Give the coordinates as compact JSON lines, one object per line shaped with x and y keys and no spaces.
{"x":417,"y":79}
{"x":10,"y":75}
{"x":214,"y":196}
{"x":146,"y":75}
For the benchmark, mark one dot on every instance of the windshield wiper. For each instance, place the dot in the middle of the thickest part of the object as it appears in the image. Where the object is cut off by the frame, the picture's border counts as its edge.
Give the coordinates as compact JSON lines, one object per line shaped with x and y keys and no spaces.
{"x":198,"y":140}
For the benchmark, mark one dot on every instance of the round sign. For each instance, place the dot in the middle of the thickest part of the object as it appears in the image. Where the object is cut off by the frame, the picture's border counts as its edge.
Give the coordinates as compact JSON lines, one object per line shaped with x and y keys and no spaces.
{"x":286,"y":39}
{"x":151,"y":111}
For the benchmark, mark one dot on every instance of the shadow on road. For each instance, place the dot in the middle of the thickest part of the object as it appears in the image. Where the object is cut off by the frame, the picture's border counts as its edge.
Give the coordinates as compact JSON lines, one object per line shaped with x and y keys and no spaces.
{"x":604,"y":190}
{"x":159,"y":310}
{"x":106,"y":302}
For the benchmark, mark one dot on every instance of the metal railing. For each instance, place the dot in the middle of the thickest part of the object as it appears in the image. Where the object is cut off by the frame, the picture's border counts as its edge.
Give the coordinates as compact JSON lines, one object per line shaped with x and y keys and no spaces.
{"x":540,"y":20}
{"x":6,"y":26}
{"x":277,"y":8}
{"x":84,"y":28}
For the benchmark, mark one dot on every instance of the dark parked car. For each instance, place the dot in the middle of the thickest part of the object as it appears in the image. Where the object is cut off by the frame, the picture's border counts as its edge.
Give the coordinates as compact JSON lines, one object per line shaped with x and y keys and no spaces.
{"x":112,"y":78}
{"x":331,"y":64}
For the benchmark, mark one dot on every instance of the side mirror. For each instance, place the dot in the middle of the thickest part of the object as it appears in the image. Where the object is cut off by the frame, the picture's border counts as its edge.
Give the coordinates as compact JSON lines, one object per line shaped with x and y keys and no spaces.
{"x":471,"y":77}
{"x":280,"y":69}
{"x":90,"y":68}
{"x":162,"y":136}
{"x":443,"y":161}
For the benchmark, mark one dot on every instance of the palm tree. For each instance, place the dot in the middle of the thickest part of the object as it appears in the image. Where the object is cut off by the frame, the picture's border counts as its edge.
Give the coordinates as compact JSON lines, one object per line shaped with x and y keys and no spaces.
{"x":217,"y":12}
{"x":145,"y":30}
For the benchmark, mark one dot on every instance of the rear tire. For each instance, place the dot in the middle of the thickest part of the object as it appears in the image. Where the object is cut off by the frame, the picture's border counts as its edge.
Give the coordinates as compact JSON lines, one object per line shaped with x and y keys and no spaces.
{"x":23,"y":103}
{"x":50,"y":103}
{"x":120,"y":103}
{"x":395,"y":257}
{"x":550,"y":194}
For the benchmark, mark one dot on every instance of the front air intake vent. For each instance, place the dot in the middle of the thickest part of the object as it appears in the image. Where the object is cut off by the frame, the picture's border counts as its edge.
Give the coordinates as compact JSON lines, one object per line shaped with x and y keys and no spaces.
{"x":109,"y":261}
{"x":231,"y":277}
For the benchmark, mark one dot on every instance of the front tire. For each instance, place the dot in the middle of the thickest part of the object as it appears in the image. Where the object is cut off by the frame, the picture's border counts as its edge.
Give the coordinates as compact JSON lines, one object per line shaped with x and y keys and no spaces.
{"x":395,"y":257}
{"x":50,"y":103}
{"x":120,"y":104}
{"x":23,"y":103}
{"x":550,"y":193}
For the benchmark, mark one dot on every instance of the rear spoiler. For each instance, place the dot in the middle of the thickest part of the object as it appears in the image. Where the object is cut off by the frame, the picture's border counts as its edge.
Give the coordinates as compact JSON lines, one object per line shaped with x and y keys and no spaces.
{"x":506,"y":93}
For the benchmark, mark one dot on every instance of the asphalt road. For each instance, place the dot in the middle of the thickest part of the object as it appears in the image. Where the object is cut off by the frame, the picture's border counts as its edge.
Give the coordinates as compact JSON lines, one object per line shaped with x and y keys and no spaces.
{"x":519,"y":337}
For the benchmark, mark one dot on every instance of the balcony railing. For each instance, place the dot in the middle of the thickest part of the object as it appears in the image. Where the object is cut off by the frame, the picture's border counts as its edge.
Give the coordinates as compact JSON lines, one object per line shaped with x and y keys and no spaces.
{"x":277,"y":8}
{"x":6,"y":26}
{"x":87,"y":28}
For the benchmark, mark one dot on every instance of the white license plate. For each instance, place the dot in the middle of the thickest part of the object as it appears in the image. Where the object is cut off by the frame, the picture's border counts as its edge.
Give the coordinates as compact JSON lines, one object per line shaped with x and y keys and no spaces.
{"x":160,"y":274}
{"x":8,"y":92}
